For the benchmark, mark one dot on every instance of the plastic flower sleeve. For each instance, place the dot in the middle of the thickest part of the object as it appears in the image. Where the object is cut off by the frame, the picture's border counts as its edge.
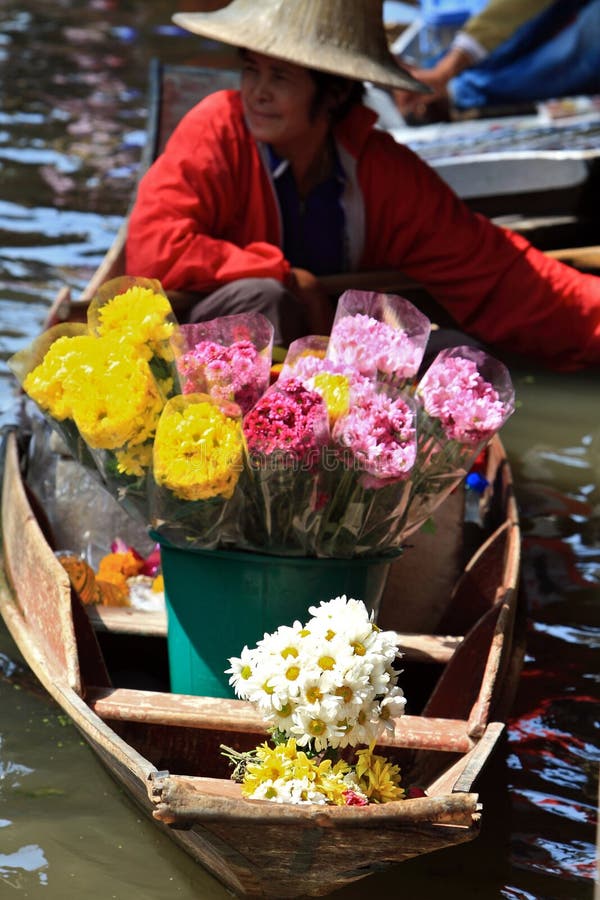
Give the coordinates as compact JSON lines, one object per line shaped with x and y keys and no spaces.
{"x":197,"y":462}
{"x":47,"y":370}
{"x":136,"y":313}
{"x":228,"y":358}
{"x":381,"y":336}
{"x":286,"y":433}
{"x":304,"y":357}
{"x":464,"y":398}
{"x":369,"y":473}
{"x":117,"y":415}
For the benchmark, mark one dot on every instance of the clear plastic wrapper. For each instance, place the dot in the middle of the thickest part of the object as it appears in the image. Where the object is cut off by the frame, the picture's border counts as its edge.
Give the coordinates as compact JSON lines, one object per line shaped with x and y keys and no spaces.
{"x":463,"y":400}
{"x":195,"y":497}
{"x":136,"y":315}
{"x":380,"y":336}
{"x":286,"y":433}
{"x":228,"y":358}
{"x":46,"y":371}
{"x":368,"y":473}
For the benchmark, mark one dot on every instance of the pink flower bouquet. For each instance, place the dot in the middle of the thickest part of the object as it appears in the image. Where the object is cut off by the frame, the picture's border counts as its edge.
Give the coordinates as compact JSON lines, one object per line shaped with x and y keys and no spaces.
{"x":380,"y":336}
{"x":464,"y":398}
{"x":375,"y":444}
{"x":228,"y":358}
{"x":286,"y":433}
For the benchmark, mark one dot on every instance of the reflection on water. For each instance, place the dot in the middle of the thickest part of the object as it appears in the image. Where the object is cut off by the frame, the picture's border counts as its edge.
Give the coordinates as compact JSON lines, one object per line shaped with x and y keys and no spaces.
{"x":72,"y":119}
{"x":27,"y":859}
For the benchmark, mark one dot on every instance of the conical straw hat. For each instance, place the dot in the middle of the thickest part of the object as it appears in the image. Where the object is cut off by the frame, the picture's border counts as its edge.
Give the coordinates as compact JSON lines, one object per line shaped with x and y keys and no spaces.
{"x":344,"y":37}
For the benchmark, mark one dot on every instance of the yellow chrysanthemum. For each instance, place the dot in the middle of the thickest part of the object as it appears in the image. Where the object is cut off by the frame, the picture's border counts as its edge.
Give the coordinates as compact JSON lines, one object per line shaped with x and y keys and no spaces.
{"x":139,"y":316}
{"x":197,"y":449}
{"x":335,"y":391}
{"x":378,"y":778}
{"x":135,"y":460}
{"x":117,"y":401}
{"x":53,"y":383}
{"x":271,"y":763}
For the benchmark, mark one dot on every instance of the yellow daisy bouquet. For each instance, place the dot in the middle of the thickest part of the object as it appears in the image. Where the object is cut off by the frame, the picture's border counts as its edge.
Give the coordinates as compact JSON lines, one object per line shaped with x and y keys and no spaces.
{"x":329,"y":689}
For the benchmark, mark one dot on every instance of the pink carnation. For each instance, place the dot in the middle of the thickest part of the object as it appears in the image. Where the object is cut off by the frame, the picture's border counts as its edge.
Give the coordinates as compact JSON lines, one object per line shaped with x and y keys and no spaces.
{"x":288,"y":420}
{"x":237,"y":371}
{"x":379,"y":432}
{"x":468,"y":407}
{"x":372,"y":347}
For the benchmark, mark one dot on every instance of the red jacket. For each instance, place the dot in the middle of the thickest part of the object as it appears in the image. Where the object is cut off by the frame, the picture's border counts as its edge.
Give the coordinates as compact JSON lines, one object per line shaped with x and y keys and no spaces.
{"x":206,"y":214}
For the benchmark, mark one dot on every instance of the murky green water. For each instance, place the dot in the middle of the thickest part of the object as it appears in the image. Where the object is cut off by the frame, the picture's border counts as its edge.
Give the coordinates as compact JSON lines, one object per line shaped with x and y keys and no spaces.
{"x":72,"y":121}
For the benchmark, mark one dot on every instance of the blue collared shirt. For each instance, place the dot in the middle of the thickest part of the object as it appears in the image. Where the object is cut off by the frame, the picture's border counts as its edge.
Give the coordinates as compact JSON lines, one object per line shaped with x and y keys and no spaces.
{"x":314,"y":227}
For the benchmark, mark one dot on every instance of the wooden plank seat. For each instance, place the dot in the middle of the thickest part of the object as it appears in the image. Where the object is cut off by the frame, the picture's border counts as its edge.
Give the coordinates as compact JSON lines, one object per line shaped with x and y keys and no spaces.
{"x":217,"y":713}
{"x":424,"y":648}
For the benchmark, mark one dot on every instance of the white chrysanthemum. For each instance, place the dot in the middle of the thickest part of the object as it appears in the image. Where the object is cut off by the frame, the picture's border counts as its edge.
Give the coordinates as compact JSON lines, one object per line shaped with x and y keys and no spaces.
{"x":342,"y":612}
{"x":293,"y":790}
{"x":368,"y":727}
{"x":391,"y":707}
{"x":309,"y":728}
{"x":241,"y":671}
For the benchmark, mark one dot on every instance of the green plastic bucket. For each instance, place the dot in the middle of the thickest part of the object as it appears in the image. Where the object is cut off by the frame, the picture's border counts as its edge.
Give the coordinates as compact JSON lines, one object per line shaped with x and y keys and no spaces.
{"x":218,"y":601}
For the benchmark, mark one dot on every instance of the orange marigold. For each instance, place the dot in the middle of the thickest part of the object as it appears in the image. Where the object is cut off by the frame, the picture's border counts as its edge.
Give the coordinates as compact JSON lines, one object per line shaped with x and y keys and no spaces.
{"x":116,"y":568}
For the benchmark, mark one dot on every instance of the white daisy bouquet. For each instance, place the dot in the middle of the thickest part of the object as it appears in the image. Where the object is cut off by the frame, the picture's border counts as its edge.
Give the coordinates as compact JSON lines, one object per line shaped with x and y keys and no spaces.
{"x":324,"y":686}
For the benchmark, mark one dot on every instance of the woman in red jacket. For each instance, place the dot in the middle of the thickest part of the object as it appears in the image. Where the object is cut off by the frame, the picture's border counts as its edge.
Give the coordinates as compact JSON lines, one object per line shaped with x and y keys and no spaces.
{"x":262,"y":191}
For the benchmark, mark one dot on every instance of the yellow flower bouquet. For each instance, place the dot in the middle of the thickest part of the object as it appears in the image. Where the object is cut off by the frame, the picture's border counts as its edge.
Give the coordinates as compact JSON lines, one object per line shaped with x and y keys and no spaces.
{"x":197,"y":461}
{"x":103,"y":385}
{"x":136,"y":315}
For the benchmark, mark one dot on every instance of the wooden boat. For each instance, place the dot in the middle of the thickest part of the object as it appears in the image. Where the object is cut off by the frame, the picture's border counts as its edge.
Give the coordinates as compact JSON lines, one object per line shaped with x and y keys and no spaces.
{"x":452,"y":599}
{"x":459,"y":628}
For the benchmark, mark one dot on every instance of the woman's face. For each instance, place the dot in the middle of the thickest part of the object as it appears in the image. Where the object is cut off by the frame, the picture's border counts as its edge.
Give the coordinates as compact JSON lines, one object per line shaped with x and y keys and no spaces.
{"x":278,"y":99}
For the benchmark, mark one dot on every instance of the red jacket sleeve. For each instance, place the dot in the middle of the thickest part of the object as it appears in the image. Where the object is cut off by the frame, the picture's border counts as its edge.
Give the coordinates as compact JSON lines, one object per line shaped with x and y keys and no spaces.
{"x":188,"y":224}
{"x":493,"y":283}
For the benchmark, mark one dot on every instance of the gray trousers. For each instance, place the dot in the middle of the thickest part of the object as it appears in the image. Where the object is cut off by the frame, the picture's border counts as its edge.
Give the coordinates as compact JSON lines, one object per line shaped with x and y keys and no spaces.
{"x":263,"y":295}
{"x":280,"y":306}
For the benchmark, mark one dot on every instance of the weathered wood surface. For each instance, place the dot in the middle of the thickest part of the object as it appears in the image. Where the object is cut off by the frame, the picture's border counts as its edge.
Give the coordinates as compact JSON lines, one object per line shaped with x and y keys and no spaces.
{"x":219,"y":714}
{"x":39,"y":581}
{"x":181,"y":798}
{"x":448,"y":750}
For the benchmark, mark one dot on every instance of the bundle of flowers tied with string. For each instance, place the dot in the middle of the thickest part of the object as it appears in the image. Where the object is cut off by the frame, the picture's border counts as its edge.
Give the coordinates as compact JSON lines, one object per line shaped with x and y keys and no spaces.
{"x":344,"y":454}
{"x":328,"y":690}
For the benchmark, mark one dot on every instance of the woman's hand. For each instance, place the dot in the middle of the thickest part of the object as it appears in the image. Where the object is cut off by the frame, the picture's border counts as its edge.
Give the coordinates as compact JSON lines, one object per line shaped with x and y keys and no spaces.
{"x":316,"y":303}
